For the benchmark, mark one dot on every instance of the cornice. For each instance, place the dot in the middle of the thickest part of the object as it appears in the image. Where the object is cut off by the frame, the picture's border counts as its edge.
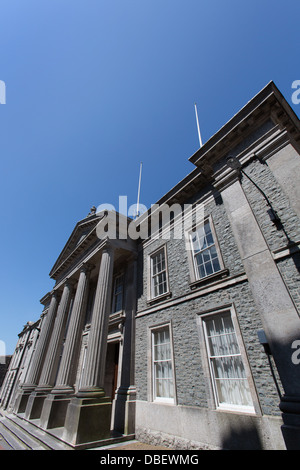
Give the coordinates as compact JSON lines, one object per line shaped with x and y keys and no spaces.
{"x":269,"y":103}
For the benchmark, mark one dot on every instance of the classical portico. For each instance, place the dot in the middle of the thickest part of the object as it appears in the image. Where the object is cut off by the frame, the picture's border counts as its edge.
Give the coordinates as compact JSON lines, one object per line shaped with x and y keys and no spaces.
{"x":71,"y":388}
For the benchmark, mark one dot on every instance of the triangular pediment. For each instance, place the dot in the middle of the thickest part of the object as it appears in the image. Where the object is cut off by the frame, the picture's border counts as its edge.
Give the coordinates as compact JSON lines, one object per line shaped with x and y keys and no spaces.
{"x":76,"y":241}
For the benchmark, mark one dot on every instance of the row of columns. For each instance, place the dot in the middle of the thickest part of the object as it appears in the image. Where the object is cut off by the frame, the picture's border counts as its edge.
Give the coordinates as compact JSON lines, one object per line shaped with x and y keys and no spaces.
{"x":46,"y":380}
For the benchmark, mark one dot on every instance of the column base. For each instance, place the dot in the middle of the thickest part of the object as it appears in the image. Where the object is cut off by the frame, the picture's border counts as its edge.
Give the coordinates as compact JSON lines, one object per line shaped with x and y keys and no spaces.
{"x":123,"y":410}
{"x":35,"y":405}
{"x":87,"y":420}
{"x":54,"y":411}
{"x":290,"y":407}
{"x":21,"y":402}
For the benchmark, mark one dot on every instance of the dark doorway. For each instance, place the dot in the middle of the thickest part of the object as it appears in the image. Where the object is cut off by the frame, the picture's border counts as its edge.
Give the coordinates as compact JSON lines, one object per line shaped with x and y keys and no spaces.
{"x":111,"y":370}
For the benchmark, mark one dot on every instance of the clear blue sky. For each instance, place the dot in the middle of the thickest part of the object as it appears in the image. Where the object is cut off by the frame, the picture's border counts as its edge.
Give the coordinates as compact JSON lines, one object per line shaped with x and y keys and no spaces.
{"x":93,"y":87}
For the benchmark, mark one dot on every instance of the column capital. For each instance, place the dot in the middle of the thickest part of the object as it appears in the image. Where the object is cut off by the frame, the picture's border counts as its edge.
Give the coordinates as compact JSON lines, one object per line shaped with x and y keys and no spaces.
{"x":108,"y":247}
{"x":69,"y":282}
{"x":86,"y":267}
{"x":54,"y":293}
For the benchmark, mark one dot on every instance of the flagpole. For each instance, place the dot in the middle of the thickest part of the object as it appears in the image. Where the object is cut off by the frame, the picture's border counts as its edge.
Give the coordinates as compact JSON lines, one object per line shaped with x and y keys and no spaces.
{"x":139,"y":189}
{"x":198,"y":127}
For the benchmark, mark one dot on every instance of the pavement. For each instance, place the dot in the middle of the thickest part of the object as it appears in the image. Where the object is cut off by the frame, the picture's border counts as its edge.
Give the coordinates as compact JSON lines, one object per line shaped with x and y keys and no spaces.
{"x":130,"y":445}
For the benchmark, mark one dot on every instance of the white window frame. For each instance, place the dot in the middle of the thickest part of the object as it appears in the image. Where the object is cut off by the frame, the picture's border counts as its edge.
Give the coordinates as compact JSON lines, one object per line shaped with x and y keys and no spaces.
{"x":152,"y":381}
{"x":228,"y":406}
{"x":151,"y":256}
{"x":194,"y":272}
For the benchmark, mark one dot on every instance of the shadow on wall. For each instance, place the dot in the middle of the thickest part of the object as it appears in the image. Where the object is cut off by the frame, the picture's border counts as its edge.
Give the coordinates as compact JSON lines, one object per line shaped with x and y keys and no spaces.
{"x":242,"y":438}
{"x":286,"y":357}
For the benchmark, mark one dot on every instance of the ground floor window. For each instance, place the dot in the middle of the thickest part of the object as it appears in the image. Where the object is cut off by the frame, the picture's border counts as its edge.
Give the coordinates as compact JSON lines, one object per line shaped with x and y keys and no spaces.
{"x":162,"y":365}
{"x":227,"y":368}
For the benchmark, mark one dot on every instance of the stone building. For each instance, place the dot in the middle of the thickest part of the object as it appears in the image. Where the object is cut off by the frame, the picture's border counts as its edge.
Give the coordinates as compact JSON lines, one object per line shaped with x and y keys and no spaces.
{"x":19,"y":362}
{"x":189,"y":334}
{"x":4,"y":364}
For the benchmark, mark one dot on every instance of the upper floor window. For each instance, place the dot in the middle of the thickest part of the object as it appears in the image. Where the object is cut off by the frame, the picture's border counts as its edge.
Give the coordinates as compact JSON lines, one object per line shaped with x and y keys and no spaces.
{"x":117,"y":301}
{"x":205,"y":253}
{"x":158,"y":271}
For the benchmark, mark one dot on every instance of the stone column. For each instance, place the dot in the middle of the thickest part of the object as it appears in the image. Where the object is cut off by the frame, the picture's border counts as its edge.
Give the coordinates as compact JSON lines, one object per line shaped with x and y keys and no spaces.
{"x":68,"y":366}
{"x":39,"y":355}
{"x":88,"y":415}
{"x":93,"y":377}
{"x":49,"y":371}
{"x":279,"y":316}
{"x":55,"y":406}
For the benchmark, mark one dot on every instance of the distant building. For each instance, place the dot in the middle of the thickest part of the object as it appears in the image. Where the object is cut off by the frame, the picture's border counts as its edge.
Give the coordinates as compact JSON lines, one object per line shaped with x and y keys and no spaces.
{"x":17,"y":366}
{"x":188,"y":337}
{"x":4,"y":364}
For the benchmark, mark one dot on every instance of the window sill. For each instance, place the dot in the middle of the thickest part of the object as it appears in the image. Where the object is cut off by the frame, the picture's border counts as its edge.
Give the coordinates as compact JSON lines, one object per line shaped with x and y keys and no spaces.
{"x":164,"y":401}
{"x":159,"y":298}
{"x":248,"y":410}
{"x":212,"y":277}
{"x":119,"y":313}
{"x":117,"y":317}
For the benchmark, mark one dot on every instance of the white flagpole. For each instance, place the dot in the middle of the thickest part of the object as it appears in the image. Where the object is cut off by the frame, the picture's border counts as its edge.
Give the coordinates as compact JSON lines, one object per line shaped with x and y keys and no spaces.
{"x":198,"y":127}
{"x":139,"y":189}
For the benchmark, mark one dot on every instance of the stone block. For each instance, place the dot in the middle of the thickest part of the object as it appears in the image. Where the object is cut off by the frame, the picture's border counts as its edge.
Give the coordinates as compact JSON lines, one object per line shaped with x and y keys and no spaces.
{"x":87,"y":420}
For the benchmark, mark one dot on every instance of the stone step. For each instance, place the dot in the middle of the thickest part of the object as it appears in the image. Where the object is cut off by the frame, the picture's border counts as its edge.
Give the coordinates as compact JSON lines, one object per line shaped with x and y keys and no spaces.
{"x":12,"y":442}
{"x":46,"y":437}
{"x":21,"y":436}
{"x":30,"y":436}
{"x":19,"y":433}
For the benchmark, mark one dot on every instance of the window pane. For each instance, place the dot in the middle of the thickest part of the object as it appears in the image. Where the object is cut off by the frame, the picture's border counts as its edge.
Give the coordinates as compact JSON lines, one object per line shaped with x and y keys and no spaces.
{"x":195,"y":243}
{"x":208,"y":268}
{"x":234,"y":392}
{"x":216,"y":265}
{"x":162,"y":352}
{"x":118,"y":294}
{"x":118,"y":303}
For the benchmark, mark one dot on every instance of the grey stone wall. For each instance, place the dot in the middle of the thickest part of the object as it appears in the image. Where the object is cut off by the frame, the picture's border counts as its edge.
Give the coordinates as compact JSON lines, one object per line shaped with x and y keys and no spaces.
{"x":192,"y":384}
{"x":179,"y":276}
{"x":191,"y":381}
